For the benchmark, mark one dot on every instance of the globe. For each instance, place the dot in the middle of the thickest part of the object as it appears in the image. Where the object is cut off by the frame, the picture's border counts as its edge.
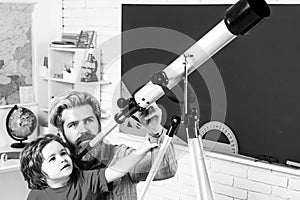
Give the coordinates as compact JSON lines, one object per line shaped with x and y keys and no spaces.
{"x":20,"y":123}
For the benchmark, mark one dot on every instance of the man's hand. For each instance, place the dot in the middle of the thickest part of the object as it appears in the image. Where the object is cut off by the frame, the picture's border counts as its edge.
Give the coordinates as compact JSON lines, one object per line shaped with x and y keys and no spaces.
{"x":151,"y":119}
{"x":145,"y":147}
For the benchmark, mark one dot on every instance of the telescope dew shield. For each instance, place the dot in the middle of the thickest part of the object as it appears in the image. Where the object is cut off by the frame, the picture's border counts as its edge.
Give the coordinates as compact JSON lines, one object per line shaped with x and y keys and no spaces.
{"x":243,"y":16}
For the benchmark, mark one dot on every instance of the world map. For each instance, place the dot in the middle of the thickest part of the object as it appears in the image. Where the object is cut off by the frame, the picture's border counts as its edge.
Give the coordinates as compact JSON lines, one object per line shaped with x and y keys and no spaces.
{"x":15,"y":50}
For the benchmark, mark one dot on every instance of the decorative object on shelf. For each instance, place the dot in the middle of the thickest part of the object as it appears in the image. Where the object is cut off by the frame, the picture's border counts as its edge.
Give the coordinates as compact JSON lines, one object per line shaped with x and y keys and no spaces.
{"x":85,"y":39}
{"x":20,"y":123}
{"x":59,"y":76}
{"x":89,"y":69}
{"x":44,"y":72}
{"x":70,"y":37}
{"x":69,"y":73}
{"x":67,"y":68}
{"x":46,"y":61}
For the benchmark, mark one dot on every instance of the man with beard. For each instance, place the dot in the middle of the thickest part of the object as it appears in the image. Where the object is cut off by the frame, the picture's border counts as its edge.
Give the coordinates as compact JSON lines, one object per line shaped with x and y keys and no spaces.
{"x":76,"y":115}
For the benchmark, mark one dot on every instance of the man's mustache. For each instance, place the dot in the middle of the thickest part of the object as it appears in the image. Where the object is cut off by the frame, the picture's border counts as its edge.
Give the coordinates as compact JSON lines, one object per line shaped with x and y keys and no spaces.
{"x":84,"y":137}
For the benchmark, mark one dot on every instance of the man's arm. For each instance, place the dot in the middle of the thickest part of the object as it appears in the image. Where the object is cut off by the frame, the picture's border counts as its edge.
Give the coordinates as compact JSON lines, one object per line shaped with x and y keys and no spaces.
{"x":122,"y":166}
{"x":167,"y":168}
{"x":151,"y":119}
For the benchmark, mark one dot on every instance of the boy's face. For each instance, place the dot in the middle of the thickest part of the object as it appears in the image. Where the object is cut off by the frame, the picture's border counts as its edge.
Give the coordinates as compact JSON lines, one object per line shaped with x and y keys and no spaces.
{"x":57,"y":163}
{"x":80,"y":125}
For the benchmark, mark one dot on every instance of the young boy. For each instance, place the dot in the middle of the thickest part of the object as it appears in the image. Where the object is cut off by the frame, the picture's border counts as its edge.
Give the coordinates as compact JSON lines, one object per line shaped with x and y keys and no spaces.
{"x":48,"y":168}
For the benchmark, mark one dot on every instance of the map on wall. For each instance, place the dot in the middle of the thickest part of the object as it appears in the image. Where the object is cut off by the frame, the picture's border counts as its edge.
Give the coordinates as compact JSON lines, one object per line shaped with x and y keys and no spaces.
{"x":15,"y":53}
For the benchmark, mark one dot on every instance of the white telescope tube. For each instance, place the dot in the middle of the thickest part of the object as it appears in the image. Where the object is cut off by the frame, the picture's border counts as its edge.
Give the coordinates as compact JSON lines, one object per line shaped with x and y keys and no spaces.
{"x":212,"y":42}
{"x":239,"y":19}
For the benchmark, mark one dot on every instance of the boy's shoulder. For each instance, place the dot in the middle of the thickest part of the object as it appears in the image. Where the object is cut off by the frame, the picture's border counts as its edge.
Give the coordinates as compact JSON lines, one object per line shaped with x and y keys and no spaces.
{"x":45,"y":194}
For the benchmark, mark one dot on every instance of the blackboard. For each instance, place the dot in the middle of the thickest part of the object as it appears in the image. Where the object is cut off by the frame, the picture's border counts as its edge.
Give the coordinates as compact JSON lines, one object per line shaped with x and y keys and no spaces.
{"x":260,"y":72}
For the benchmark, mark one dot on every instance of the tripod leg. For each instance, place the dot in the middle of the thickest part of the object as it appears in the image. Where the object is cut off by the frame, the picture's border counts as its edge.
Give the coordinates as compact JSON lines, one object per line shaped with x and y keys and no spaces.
{"x":162,"y":150}
{"x":200,"y":174}
{"x":201,"y":178}
{"x":155,"y":165}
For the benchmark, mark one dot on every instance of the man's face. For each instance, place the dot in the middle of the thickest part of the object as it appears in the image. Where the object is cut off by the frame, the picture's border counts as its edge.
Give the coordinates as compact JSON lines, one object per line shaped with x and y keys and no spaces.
{"x":80,"y":125}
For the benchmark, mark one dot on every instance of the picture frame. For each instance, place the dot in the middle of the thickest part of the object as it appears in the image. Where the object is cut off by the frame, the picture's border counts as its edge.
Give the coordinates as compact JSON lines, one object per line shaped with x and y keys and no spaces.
{"x":85,"y":39}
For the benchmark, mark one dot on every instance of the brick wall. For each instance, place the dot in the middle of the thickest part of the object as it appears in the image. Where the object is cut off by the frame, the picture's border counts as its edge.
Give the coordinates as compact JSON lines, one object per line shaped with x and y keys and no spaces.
{"x":232,"y":179}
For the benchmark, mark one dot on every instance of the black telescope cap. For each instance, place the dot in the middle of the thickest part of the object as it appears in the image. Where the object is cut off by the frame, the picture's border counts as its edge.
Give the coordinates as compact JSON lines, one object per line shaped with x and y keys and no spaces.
{"x":175,"y":121}
{"x":243,"y":16}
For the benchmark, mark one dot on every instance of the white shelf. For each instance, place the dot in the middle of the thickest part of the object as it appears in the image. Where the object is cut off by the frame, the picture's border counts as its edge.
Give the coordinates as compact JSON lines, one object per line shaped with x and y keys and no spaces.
{"x":72,"y":49}
{"x":101,"y":82}
{"x":61,"y":80}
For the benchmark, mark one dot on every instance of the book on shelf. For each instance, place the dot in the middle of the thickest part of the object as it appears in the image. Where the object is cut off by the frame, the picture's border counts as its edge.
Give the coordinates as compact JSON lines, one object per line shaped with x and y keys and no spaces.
{"x":63,"y":44}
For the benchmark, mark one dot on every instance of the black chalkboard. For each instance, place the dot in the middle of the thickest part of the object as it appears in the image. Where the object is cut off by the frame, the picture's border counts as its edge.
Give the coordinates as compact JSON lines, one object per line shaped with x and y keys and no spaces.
{"x":260,"y":72}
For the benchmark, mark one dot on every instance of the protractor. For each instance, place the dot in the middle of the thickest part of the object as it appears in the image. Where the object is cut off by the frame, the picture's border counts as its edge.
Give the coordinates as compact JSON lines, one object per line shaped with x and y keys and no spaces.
{"x":219,"y":132}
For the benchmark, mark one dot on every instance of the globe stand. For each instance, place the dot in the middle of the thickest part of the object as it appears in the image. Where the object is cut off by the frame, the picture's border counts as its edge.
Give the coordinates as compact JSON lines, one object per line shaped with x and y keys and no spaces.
{"x":21,"y":144}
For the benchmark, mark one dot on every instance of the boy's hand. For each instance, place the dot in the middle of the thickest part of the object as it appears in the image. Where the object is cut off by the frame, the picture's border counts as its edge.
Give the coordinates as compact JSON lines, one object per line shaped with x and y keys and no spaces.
{"x":146,"y":146}
{"x":151,"y":118}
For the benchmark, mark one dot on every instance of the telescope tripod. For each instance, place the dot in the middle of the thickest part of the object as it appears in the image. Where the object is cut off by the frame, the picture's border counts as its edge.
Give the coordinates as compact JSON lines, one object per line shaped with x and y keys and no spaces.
{"x":201,"y":178}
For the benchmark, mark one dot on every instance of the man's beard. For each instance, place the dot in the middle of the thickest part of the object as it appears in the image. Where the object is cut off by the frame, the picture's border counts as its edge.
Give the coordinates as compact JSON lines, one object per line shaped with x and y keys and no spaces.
{"x":88,"y":161}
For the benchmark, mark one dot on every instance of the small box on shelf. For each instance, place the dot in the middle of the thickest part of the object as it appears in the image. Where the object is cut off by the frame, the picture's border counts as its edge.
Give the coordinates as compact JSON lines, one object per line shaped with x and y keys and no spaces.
{"x":44,"y":71}
{"x":70,"y":75}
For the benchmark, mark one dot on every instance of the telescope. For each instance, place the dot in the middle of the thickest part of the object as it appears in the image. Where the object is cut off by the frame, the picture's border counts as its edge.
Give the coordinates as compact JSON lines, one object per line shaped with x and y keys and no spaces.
{"x":239,"y":19}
